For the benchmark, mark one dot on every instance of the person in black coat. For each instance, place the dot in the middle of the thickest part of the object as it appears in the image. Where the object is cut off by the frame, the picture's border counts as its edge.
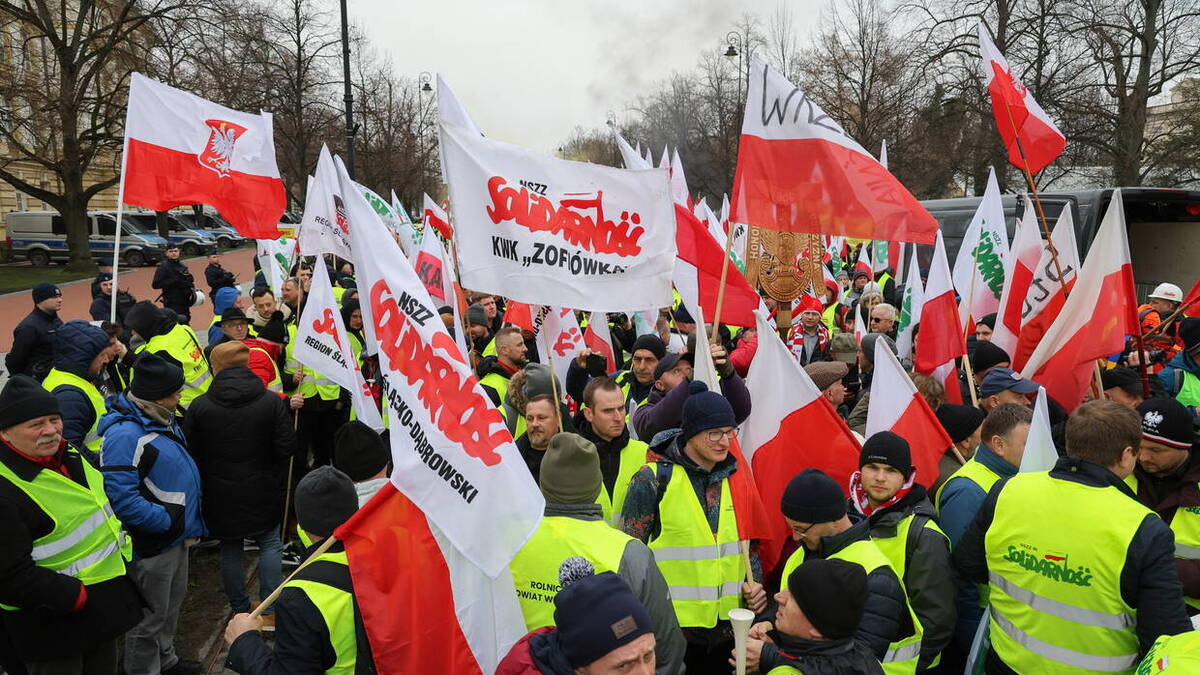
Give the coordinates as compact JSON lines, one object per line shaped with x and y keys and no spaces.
{"x":217,"y":276}
{"x":102,"y":300}
{"x":241,"y":436}
{"x":176,"y":283}
{"x":32,"y":350}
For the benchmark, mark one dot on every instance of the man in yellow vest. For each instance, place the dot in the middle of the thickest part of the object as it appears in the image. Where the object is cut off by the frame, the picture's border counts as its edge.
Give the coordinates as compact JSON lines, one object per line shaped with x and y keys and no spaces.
{"x":81,"y":351}
{"x":820,"y":606}
{"x":1181,"y":377}
{"x":602,"y":421}
{"x":317,"y":626}
{"x":682,"y":507}
{"x":65,"y":594}
{"x":814,"y":506}
{"x":322,"y":403}
{"x":495,"y":371}
{"x":1167,"y":481}
{"x":1081,"y":577}
{"x":573,"y":539}
{"x":904,"y":526}
{"x":175,"y":342}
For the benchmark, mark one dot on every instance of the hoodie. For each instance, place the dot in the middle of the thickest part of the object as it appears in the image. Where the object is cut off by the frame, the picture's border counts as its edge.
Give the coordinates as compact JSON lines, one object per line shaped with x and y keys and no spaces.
{"x":147,"y":320}
{"x":76,"y":345}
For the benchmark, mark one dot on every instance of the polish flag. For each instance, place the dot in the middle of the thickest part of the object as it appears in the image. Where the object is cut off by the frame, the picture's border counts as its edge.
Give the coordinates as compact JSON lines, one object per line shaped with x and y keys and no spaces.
{"x":182,"y":149}
{"x":598,"y":339}
{"x":1018,"y":275}
{"x":436,"y":218}
{"x":864,"y":264}
{"x":520,"y":315}
{"x":1018,"y":116}
{"x":1192,"y":300}
{"x":940,"y":340}
{"x":1094,"y":321}
{"x":897,"y":406}
{"x":799,"y":171}
{"x":860,"y":326}
{"x":697,"y":273}
{"x":792,"y":427}
{"x":1047,"y":294}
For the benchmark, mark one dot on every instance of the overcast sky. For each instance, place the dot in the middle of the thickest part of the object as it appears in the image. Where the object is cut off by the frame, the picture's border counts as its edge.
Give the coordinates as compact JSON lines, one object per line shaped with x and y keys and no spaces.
{"x":529,"y":71}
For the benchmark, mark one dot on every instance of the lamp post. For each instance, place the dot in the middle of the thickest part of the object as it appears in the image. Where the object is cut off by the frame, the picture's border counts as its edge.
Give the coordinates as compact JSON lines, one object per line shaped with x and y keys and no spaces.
{"x":348,"y":98}
{"x":610,"y":118}
{"x":735,"y":48}
{"x":424,"y":79}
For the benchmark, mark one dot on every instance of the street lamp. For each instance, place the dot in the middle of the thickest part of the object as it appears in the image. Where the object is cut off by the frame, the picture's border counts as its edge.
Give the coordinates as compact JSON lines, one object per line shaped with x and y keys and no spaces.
{"x":424,"y":79}
{"x":735,"y":48}
{"x":610,"y":118}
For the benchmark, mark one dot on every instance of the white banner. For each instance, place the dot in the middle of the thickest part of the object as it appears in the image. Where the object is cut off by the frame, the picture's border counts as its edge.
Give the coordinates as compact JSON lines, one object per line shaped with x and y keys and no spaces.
{"x":548,"y":231}
{"x":275,"y":257}
{"x":452,"y":454}
{"x":560,"y":331}
{"x":322,"y":345}
{"x":323,"y":228}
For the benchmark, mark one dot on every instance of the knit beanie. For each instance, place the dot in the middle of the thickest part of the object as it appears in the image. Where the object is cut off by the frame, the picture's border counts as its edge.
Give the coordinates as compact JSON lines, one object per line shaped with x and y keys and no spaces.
{"x":987,"y":355}
{"x":813,"y":497}
{"x":44,"y":291}
{"x":1166,"y":421}
{"x":988,"y":320}
{"x":705,"y":410}
{"x":652,"y":343}
{"x":1126,"y":379}
{"x":1189,"y":333}
{"x":23,"y":399}
{"x":325,"y":498}
{"x":959,"y":421}
{"x":885,"y":447}
{"x":825,"y":373}
{"x":228,"y":355}
{"x":476,"y":316}
{"x":570,"y":472}
{"x":358,"y":451}
{"x":596,"y":615}
{"x":831,"y":593}
{"x":155,"y":378}
{"x":868,"y":345}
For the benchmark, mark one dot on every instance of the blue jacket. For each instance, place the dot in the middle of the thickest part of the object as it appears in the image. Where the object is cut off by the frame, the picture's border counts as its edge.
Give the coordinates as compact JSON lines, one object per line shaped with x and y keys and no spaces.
{"x":151,"y":480}
{"x":76,"y":344}
{"x":1169,"y":374}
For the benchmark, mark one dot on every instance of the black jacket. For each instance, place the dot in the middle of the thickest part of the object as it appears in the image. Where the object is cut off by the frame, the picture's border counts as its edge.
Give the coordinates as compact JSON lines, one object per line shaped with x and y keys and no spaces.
{"x":241,"y":436}
{"x":302,"y":644}
{"x":1149,"y":583}
{"x":33,"y":345}
{"x":830,"y":657}
{"x":99,"y":310}
{"x":45,"y":628}
{"x":608,"y":451}
{"x":175,"y":281}
{"x":218,"y":277}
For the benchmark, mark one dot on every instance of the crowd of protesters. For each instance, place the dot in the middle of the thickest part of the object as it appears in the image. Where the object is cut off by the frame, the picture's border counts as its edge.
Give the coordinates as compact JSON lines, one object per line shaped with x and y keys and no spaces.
{"x":125,"y":445}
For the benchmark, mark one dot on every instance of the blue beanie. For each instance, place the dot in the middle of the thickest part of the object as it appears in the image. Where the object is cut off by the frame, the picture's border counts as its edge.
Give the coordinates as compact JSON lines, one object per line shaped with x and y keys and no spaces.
{"x":597,"y":614}
{"x":705,"y":410}
{"x":224,"y":298}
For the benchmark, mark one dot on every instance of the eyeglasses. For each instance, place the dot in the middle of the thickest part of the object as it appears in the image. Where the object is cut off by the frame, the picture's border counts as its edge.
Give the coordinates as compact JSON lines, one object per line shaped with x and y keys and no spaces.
{"x":715,"y":435}
{"x":876,"y":319}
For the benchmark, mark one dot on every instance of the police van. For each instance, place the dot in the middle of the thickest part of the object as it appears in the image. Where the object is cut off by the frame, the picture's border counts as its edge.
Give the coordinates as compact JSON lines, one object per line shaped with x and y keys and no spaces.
{"x":1163,"y":228}
{"x":191,"y":242}
{"x":41,"y":238}
{"x":214,"y":225}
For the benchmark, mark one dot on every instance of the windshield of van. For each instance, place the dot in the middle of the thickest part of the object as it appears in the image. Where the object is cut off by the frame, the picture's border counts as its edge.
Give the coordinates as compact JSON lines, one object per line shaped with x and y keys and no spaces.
{"x":136,"y":225}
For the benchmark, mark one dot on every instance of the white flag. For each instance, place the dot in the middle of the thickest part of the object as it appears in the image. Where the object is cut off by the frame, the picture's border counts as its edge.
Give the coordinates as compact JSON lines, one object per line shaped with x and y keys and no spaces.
{"x":981,"y":255}
{"x":275,"y":260}
{"x":323,"y":228}
{"x":560,"y":330}
{"x":323,"y":345}
{"x":1040,"y":454}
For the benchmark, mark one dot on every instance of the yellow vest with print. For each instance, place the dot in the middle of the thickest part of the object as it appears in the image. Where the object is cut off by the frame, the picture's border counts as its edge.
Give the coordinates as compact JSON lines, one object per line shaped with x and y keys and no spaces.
{"x":1175,"y":654}
{"x":336,"y":605}
{"x":535,"y":568}
{"x":59,"y":378}
{"x":1056,"y":604}
{"x":1186,"y":526}
{"x":314,"y":384}
{"x":181,"y":344}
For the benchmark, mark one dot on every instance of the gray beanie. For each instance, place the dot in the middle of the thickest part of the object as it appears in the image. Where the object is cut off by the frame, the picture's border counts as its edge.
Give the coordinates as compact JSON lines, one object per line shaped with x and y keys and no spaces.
{"x":570,"y":472}
{"x":868,"y":345}
{"x":325,"y":499}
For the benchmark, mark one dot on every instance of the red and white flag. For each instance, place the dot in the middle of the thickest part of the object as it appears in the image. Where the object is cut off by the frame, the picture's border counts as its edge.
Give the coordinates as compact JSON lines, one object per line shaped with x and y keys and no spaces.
{"x":697,"y":274}
{"x":864,"y":264}
{"x":1018,"y":116}
{"x":1018,"y":275}
{"x":940,"y":341}
{"x":979,"y":267}
{"x":897,"y":406}
{"x":799,"y":171}
{"x":1094,"y":321}
{"x":598,"y":339}
{"x":1047,"y":293}
{"x":433,"y":266}
{"x":435,"y":217}
{"x":860,"y":325}
{"x":182,"y":149}
{"x":563,"y":335}
{"x":792,"y":427}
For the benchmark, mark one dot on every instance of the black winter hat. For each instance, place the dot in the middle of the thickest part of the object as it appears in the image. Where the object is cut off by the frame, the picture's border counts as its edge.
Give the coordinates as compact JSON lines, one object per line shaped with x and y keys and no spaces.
{"x":1189,"y":333}
{"x":885,"y":447}
{"x":476,"y":316}
{"x":682,"y":315}
{"x":831,"y":593}
{"x":144,"y":319}
{"x":274,"y":330}
{"x":813,"y":497}
{"x":358,"y":451}
{"x":704,"y":410}
{"x":1166,"y":421}
{"x":596,"y":615}
{"x":651,"y":343}
{"x":23,"y":399}
{"x":1122,"y":378}
{"x":868,"y":345}
{"x":988,"y":320}
{"x":155,"y":378}
{"x":325,"y":498}
{"x":232,"y":314}
{"x":959,"y":421}
{"x":44,"y":291}
{"x":987,"y":355}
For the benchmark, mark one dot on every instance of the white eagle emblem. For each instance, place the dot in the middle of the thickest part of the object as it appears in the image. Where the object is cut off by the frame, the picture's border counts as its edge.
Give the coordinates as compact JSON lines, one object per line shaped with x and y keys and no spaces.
{"x":218,"y":150}
{"x":1153,"y":418}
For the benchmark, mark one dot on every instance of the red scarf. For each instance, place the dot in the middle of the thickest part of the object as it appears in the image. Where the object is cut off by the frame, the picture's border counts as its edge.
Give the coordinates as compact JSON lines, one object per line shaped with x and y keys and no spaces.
{"x":795,"y":339}
{"x":53,"y":462}
{"x":863,"y":503}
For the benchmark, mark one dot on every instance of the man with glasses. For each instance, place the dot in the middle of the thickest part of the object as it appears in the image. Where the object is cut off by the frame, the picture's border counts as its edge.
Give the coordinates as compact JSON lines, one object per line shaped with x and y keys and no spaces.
{"x":883,"y":320}
{"x":682,"y":507}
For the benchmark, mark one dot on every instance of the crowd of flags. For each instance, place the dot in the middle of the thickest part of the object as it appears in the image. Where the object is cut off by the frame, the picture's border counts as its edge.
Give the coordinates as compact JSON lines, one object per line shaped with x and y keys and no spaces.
{"x":428,"y":556}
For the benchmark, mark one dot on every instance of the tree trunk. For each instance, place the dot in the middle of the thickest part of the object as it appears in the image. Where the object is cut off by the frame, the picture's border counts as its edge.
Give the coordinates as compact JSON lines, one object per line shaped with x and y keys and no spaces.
{"x":76,"y":220}
{"x":160,"y":224}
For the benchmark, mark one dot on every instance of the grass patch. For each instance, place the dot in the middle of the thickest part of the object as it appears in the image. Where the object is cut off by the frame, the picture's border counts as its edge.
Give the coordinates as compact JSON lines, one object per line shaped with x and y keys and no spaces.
{"x":15,"y":278}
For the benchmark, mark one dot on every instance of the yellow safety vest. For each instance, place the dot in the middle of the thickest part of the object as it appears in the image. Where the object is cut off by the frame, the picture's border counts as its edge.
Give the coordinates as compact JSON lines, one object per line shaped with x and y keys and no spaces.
{"x":59,"y":378}
{"x":829,"y":318}
{"x":974,"y":471}
{"x":87,"y":541}
{"x":1189,"y":390}
{"x":902,"y":655}
{"x":703,"y":571}
{"x":1175,"y":654}
{"x":535,"y":568}
{"x":1186,"y":526}
{"x":497,"y":383}
{"x":314,"y":384}
{"x":1056,"y":602}
{"x":181,"y":344}
{"x":336,"y":605}
{"x":633,"y":458}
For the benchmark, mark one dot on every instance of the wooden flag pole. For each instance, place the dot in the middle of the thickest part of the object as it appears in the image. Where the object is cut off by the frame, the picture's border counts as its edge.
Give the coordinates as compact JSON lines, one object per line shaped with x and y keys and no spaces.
{"x":1037,"y":201}
{"x":966,"y":361}
{"x":270,"y":599}
{"x":726,"y":262}
{"x":1171,"y":317}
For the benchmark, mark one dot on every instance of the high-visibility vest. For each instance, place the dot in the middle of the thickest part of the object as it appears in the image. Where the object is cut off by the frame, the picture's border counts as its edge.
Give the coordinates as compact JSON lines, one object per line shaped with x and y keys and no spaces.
{"x":535,"y":568}
{"x":633,"y":458}
{"x":703,"y":571}
{"x":87,"y":541}
{"x":1189,"y":391}
{"x":784,"y":670}
{"x":974,"y":471}
{"x":181,"y":344}
{"x":335,"y":601}
{"x":1055,"y":590}
{"x":1186,"y":526}
{"x":895,"y":548}
{"x":497,"y":383}
{"x":902,"y":655}
{"x":829,"y":318}
{"x":276,"y":384}
{"x":314,"y":384}
{"x":60,"y":378}
{"x":882,"y":281}
{"x":1174,"y":654}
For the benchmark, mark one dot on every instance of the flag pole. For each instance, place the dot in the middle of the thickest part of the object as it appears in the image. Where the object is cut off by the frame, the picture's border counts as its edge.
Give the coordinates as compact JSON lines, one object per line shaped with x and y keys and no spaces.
{"x":553,"y":379}
{"x":716,"y":317}
{"x":970,"y":297}
{"x":112,"y":310}
{"x":1162,"y":325}
{"x":270,"y":599}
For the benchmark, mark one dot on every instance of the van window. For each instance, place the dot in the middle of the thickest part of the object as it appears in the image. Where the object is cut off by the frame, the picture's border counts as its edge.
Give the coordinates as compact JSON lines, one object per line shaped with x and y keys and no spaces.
{"x":106,"y":226}
{"x":58,"y":225}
